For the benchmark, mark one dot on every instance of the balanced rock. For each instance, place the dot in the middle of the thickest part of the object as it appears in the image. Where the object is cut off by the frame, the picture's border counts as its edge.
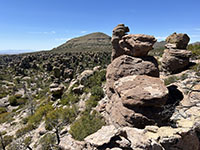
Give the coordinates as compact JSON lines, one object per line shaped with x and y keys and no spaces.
{"x":137,"y":45}
{"x":175,"y":60}
{"x":177,"y":41}
{"x":127,"y":65}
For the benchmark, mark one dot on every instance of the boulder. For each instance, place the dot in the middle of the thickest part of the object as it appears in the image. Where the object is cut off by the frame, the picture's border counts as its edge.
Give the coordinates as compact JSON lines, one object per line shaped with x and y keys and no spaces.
{"x":102,"y":136}
{"x":141,"y":90}
{"x":78,"y":90}
{"x":85,"y":75}
{"x":175,"y":60}
{"x":127,"y":65}
{"x":137,"y":45}
{"x":177,"y":41}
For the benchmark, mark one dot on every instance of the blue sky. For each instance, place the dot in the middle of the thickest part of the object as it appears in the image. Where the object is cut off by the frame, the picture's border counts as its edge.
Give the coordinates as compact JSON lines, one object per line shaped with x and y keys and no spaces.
{"x":44,"y":24}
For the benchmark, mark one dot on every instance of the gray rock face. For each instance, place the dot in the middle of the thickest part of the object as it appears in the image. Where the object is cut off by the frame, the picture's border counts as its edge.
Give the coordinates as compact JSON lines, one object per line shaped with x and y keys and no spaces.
{"x":127,"y":65}
{"x":175,"y":60}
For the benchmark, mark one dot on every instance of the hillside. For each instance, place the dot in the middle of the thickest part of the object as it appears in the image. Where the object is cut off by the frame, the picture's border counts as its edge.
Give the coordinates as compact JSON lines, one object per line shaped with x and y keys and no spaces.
{"x":91,"y":42}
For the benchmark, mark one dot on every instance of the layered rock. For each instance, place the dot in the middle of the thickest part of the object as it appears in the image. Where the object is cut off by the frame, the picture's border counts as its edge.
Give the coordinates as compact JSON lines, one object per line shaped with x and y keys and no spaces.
{"x":176,"y":58}
{"x":126,"y":65}
{"x":136,"y":45}
{"x":136,"y":93}
{"x":141,"y":90}
{"x":56,"y":90}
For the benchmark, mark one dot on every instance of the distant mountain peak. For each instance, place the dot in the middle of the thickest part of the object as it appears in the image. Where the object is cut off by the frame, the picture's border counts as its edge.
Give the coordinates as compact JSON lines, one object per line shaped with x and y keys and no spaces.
{"x":96,"y":41}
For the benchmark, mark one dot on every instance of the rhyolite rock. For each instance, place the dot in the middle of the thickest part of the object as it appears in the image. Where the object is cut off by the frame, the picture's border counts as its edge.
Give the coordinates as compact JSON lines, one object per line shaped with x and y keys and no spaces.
{"x":118,"y":32}
{"x":137,"y":45}
{"x":177,"y":41}
{"x":175,"y":60}
{"x":127,"y":65}
{"x":141,"y":90}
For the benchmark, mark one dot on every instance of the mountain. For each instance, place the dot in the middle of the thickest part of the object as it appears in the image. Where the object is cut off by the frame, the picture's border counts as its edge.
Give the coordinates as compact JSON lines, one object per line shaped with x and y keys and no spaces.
{"x":159,"y":45}
{"x":91,"y":42}
{"x":14,"y":51}
{"x":196,"y":43}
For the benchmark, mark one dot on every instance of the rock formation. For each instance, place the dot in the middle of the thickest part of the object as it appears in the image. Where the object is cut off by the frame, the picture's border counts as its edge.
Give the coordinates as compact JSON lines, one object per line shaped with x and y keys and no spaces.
{"x":176,"y":57}
{"x":141,"y":112}
{"x":132,"y":44}
{"x":136,"y":93}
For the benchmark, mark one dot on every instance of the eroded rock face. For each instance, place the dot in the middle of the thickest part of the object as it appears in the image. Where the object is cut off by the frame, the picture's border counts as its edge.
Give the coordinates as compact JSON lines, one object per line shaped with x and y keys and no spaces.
{"x":141,"y":90}
{"x":118,"y":32}
{"x":137,"y":101}
{"x":177,"y":41}
{"x":150,"y":138}
{"x":137,"y":45}
{"x":127,"y":65}
{"x":175,"y":60}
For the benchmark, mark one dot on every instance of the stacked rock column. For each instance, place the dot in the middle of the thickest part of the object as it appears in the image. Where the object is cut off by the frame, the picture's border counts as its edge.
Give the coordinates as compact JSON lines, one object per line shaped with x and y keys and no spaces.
{"x":133,"y":86}
{"x":176,"y":57}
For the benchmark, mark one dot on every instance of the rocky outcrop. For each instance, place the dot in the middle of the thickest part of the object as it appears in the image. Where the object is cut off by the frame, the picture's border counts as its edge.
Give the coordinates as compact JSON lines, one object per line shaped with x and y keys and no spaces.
{"x":176,"y":58}
{"x":136,"y":94}
{"x":150,"y":138}
{"x":136,"y":45}
{"x":141,"y":90}
{"x":56,"y":90}
{"x":126,"y":65}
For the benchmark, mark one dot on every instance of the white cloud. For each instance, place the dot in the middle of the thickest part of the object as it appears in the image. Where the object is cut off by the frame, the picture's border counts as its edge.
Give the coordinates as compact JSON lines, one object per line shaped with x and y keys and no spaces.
{"x":160,"y":38}
{"x":83,"y":31}
{"x":45,"y":32}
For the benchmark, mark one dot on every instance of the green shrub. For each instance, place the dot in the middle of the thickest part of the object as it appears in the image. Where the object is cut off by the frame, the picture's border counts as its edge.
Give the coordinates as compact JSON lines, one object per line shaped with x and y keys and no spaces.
{"x":91,"y":102}
{"x":96,"y":80}
{"x":69,"y":99}
{"x":6,"y":140}
{"x":24,"y":130}
{"x":39,"y":114}
{"x":170,"y":80}
{"x":196,"y":68}
{"x":6,"y":117}
{"x":86,"y":125}
{"x":97,"y":91}
{"x":2,"y":110}
{"x":60,"y":116}
{"x":15,"y":100}
{"x":195,"y":49}
{"x":47,"y":141}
